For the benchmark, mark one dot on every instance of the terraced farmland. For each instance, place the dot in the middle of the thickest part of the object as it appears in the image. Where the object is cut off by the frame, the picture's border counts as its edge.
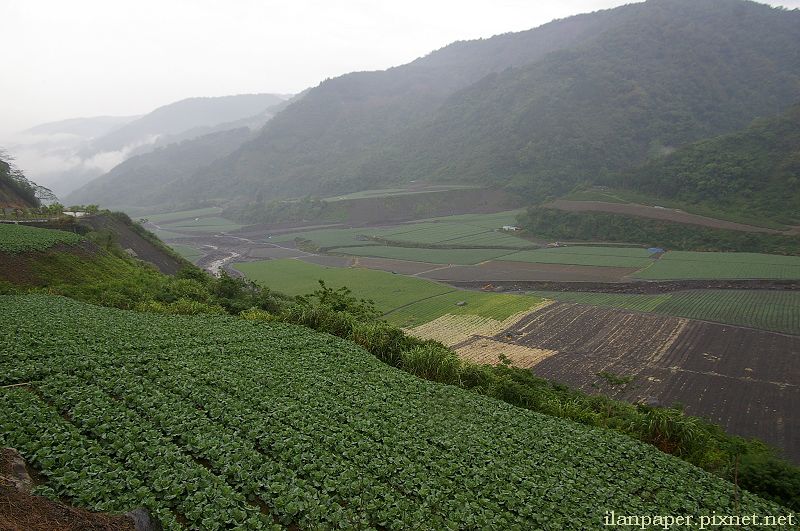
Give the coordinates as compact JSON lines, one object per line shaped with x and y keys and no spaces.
{"x":488,"y":305}
{"x":170,"y":217}
{"x":467,"y":231}
{"x":633,"y":257}
{"x":689,"y":265}
{"x":295,"y":277}
{"x":218,"y":422}
{"x":171,"y":225}
{"x":16,"y":239}
{"x":778,"y":311}
{"x":433,"y":256}
{"x":716,"y":371}
{"x":406,"y":301}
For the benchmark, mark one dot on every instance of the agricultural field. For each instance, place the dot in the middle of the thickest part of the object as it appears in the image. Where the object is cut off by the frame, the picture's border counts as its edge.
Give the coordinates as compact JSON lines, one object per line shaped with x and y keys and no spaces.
{"x":644,"y":205}
{"x":486,"y":305}
{"x":469,"y":230}
{"x":190,"y":253}
{"x":218,"y":422}
{"x":327,"y":238}
{"x":391,"y":192}
{"x":173,"y":225}
{"x":631,"y":257}
{"x":405,"y":301}
{"x":170,"y":217}
{"x":432,"y":256}
{"x":778,"y":311}
{"x":204,"y":224}
{"x":716,"y":371}
{"x":697,"y":265}
{"x":16,"y":239}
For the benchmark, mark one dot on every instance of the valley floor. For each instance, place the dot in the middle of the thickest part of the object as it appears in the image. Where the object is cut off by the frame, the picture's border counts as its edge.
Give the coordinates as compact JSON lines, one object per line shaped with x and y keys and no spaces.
{"x":718,"y":333}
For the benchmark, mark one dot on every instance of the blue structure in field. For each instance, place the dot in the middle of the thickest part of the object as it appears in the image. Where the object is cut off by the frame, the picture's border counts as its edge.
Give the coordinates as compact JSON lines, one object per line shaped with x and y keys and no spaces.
{"x":656,"y":250}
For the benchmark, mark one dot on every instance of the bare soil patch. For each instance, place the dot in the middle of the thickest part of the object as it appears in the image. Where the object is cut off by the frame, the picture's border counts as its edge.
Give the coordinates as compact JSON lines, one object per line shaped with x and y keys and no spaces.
{"x":487,"y":351}
{"x":747,"y":381}
{"x":128,"y":239}
{"x":22,"y":511}
{"x":644,"y":211}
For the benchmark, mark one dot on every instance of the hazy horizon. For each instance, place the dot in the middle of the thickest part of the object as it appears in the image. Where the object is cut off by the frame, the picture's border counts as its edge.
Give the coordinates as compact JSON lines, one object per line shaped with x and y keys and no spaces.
{"x":93,"y":58}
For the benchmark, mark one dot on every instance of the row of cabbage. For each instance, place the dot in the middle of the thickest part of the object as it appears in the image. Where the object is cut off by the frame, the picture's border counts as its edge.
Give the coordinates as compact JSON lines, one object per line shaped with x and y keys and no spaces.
{"x":217,"y":422}
{"x":21,"y":238}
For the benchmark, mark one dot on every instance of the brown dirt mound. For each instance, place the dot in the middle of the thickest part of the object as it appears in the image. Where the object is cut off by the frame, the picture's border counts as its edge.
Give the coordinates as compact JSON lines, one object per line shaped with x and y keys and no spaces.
{"x":128,"y":239}
{"x":22,"y":511}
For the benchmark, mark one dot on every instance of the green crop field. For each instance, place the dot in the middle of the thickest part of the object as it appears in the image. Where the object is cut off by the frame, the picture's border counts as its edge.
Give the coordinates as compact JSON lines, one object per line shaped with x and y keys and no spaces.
{"x":208,"y":223}
{"x":327,"y":238}
{"x":433,"y":256}
{"x":221,"y":423}
{"x":589,"y":256}
{"x":778,"y":311}
{"x":21,"y":238}
{"x":190,"y":253}
{"x":295,"y":277}
{"x":696,"y":265}
{"x":169,"y":217}
{"x":473,"y":230}
{"x":406,"y":301}
{"x":492,"y":305}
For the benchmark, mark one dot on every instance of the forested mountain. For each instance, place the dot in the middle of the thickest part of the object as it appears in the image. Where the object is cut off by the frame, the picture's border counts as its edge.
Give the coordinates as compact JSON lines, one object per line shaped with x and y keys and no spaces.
{"x":575,"y":100}
{"x":140,"y":179}
{"x":607,"y":90}
{"x":182,"y":116}
{"x":81,"y":128}
{"x":756,"y":170}
{"x":66,"y":155}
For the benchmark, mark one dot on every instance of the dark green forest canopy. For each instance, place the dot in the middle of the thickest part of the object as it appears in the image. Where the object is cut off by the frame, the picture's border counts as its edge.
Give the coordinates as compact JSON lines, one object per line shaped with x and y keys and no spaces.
{"x":643,"y":78}
{"x":576,"y":100}
{"x":756,"y":170}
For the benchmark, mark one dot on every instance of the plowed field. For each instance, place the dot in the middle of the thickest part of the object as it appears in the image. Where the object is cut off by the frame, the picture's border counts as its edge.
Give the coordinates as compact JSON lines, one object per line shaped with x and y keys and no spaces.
{"x":748,"y":381}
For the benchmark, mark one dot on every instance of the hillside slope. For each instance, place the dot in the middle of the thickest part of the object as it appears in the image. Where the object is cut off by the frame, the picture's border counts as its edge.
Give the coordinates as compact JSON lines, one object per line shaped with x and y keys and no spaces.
{"x":139,"y":181}
{"x":754,"y":171}
{"x":275,"y":426}
{"x":538,"y":111}
{"x":182,"y":116}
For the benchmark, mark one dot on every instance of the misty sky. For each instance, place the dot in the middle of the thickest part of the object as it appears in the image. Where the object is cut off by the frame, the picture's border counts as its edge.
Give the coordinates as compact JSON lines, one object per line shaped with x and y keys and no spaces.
{"x":73,"y":58}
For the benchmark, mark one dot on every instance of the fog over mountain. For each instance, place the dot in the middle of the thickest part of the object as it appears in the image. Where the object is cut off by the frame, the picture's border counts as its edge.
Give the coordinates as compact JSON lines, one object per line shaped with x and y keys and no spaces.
{"x":536,"y":112}
{"x":65,"y":155}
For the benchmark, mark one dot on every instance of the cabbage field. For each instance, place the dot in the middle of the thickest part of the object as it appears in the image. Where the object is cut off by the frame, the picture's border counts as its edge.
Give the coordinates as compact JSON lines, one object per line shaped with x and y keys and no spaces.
{"x":21,"y":238}
{"x":217,"y":422}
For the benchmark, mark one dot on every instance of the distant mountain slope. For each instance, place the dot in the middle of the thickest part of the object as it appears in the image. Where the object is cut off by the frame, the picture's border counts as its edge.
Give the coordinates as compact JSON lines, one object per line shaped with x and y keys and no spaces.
{"x":68,"y":154}
{"x":82,"y":127}
{"x":140,"y":180}
{"x":756,"y":170}
{"x":182,"y":116}
{"x":540,"y":110}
